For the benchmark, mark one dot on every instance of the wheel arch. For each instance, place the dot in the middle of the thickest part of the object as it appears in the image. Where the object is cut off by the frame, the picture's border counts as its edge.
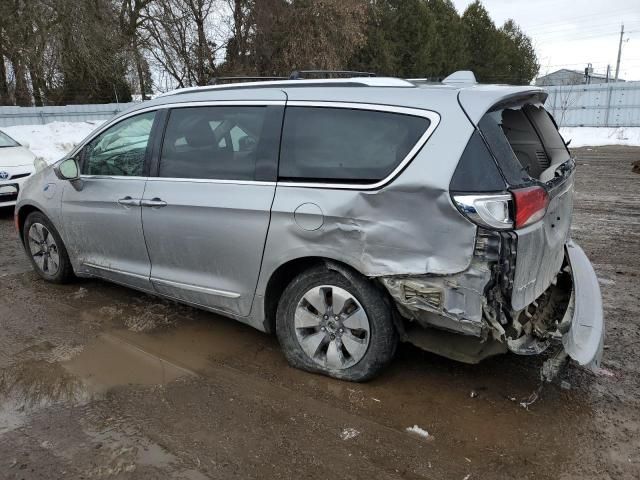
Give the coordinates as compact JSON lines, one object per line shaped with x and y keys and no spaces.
{"x":21,"y":215}
{"x":282,"y":276}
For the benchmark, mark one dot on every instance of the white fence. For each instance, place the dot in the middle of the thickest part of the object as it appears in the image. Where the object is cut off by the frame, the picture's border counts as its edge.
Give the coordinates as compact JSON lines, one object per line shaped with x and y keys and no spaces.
{"x":598,"y":105}
{"x":11,"y":116}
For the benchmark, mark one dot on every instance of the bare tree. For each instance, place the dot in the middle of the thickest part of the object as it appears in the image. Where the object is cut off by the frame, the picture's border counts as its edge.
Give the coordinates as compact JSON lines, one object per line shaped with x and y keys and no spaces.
{"x":183,"y":39}
{"x":132,"y":20}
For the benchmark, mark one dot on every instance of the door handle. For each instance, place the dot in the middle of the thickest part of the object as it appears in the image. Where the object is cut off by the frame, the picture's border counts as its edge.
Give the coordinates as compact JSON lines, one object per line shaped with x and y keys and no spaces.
{"x":153,"y":203}
{"x":129,"y":202}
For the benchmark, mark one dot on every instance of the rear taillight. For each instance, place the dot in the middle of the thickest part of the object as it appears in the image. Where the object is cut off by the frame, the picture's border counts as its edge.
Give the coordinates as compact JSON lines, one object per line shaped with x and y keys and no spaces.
{"x":490,"y":211}
{"x":530,"y":205}
{"x":522,"y":207}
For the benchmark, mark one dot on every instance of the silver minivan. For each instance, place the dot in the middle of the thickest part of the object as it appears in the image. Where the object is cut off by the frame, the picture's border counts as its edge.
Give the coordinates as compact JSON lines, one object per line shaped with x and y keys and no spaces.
{"x":344,"y":215}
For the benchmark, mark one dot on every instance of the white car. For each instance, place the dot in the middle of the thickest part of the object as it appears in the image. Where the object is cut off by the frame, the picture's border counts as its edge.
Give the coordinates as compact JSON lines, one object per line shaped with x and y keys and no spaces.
{"x":16,"y":164}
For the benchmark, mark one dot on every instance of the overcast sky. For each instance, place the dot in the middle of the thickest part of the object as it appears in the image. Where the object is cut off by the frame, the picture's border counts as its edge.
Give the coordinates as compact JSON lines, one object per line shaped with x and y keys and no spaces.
{"x":572,"y":33}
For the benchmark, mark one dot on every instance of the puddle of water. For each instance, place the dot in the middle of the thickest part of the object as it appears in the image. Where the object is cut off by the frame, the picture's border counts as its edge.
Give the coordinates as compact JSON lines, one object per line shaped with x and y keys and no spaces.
{"x":32,"y":385}
{"x":11,"y":417}
{"x":111,"y":361}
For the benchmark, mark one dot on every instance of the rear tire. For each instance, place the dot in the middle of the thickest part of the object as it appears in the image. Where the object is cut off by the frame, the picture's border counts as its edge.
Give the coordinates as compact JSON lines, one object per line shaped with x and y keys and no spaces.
{"x":46,"y":250}
{"x":354,"y":343}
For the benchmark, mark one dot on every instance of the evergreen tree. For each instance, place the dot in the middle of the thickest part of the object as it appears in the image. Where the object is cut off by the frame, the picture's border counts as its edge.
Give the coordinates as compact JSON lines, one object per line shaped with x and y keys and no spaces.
{"x":446,"y":47}
{"x":481,"y":43}
{"x":519,"y":60}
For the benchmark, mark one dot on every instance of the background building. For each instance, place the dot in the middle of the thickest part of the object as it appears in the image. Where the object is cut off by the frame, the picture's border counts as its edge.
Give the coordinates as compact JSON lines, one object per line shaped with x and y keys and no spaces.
{"x":565,"y":76}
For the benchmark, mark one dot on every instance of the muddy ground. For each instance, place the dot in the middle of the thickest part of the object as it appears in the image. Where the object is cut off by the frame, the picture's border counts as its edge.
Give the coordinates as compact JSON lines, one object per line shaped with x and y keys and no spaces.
{"x":97,"y":381}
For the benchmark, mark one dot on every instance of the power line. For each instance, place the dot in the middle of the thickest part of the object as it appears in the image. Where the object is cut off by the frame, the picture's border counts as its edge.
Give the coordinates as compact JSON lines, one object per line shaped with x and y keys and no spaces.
{"x":576,"y":19}
{"x":575,"y":38}
{"x":595,"y":29}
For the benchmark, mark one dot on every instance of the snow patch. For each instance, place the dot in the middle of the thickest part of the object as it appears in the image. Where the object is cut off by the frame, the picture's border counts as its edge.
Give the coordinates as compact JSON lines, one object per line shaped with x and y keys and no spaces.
{"x":418,"y":431}
{"x":53,"y":140}
{"x":598,"y":136}
{"x":349,"y":433}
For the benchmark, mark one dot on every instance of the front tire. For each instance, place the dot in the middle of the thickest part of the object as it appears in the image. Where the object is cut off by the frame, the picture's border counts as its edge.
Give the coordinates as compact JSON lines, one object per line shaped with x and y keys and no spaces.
{"x":338,"y":326}
{"x":45,"y":249}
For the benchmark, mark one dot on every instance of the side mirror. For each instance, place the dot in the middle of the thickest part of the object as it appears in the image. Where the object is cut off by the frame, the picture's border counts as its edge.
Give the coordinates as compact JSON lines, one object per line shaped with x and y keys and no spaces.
{"x":68,"y":170}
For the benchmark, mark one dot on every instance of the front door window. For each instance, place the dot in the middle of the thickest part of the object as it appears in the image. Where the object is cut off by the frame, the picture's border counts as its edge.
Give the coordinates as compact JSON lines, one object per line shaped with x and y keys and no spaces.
{"x":121,"y":150}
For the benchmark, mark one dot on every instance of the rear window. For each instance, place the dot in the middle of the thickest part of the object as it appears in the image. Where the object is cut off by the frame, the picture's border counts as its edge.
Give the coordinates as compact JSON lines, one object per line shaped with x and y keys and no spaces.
{"x":7,"y":141}
{"x":525,"y":141}
{"x":346,"y":145}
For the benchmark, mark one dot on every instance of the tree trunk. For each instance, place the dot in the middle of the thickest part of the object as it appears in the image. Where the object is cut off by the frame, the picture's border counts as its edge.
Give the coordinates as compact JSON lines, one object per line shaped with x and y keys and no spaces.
{"x":23,"y":97}
{"x":36,"y":86}
{"x":4,"y":86}
{"x":201,"y":77}
{"x":139,"y":69}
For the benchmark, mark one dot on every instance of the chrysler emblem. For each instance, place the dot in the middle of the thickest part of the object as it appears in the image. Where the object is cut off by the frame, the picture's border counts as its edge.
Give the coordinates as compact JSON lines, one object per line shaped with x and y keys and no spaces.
{"x":4,"y":175}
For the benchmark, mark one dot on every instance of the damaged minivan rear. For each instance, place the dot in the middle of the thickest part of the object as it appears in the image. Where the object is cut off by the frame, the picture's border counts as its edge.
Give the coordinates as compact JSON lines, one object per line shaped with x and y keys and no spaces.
{"x":529,"y":287}
{"x":344,"y":215}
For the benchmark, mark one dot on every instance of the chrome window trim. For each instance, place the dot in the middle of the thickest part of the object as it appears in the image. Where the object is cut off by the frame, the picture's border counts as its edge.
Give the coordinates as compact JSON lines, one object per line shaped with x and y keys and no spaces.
{"x":112,"y":177}
{"x":434,"y":119}
{"x":196,"y":288}
{"x":212,"y":180}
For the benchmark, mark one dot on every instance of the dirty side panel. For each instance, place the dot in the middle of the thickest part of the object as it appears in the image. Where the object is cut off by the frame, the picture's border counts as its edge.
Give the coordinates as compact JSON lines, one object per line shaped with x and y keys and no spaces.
{"x":407,"y":227}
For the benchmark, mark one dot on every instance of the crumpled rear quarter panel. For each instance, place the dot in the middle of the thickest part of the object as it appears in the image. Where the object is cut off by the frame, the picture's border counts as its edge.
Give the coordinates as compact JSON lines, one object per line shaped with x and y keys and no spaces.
{"x":409,"y":226}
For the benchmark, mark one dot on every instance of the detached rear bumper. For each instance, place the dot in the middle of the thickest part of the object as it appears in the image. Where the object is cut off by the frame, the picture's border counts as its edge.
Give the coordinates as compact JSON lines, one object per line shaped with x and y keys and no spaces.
{"x":584,"y":340}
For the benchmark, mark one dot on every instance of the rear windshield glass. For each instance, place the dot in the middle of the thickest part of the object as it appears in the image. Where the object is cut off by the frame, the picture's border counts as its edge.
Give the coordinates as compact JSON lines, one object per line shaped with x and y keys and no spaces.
{"x":525,"y":141}
{"x":344,"y":145}
{"x":7,"y":141}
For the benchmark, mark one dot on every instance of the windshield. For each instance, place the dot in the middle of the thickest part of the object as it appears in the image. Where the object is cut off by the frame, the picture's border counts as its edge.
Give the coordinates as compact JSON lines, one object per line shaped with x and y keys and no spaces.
{"x":7,"y":141}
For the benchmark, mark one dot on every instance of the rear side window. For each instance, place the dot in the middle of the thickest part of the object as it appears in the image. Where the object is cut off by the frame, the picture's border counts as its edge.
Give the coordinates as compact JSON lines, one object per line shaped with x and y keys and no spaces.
{"x":217,"y":143}
{"x":477,"y":170}
{"x":346,"y":145}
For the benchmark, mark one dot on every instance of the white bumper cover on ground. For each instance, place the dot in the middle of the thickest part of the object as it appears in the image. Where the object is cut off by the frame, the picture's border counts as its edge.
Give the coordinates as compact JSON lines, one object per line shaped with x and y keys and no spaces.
{"x":585,"y":340}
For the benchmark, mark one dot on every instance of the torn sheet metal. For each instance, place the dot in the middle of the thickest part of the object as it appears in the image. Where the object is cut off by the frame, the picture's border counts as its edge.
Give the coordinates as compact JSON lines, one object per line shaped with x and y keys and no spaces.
{"x":454,"y":302}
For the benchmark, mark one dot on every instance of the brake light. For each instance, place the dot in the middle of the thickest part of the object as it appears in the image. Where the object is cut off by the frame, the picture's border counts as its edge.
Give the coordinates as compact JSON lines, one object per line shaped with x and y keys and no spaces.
{"x":530,"y":205}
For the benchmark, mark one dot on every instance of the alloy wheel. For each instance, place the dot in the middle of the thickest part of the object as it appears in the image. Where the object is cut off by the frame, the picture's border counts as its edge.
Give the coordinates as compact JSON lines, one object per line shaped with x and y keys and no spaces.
{"x":332,"y":327}
{"x":43,"y":249}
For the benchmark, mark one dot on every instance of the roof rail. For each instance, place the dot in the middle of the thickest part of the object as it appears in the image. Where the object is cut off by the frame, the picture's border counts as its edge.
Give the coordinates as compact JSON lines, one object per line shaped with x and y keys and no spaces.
{"x":301,"y":74}
{"x":240,"y":79}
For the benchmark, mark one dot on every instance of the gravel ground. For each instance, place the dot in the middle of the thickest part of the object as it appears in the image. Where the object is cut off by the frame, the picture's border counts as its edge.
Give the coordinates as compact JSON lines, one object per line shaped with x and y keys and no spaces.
{"x":97,"y":381}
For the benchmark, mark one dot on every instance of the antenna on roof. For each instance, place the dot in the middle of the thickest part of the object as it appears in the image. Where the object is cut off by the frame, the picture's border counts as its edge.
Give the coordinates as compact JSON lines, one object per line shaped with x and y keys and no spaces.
{"x":461,"y":77}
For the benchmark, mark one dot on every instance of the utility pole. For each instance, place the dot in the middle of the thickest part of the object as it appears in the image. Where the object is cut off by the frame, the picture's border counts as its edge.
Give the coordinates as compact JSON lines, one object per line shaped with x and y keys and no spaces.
{"x":619,"y":51}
